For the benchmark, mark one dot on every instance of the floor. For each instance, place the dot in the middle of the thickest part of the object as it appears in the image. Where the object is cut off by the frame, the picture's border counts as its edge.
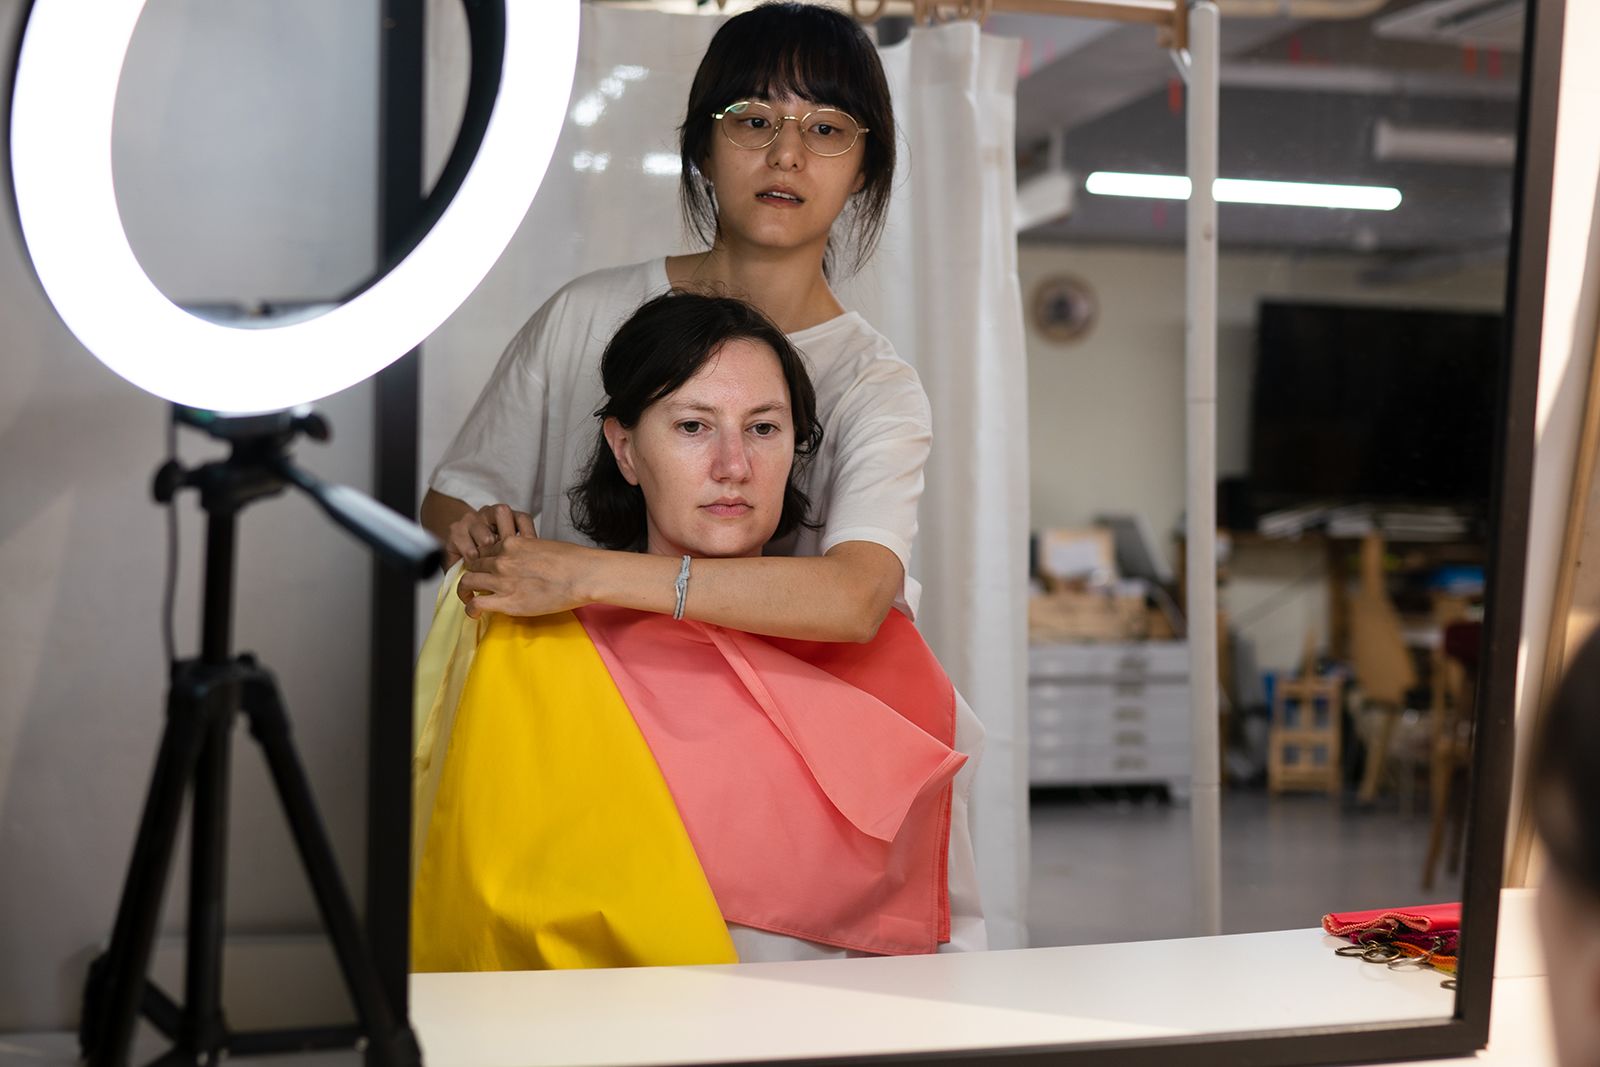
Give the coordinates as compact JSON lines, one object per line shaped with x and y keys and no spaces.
{"x":1114,"y":865}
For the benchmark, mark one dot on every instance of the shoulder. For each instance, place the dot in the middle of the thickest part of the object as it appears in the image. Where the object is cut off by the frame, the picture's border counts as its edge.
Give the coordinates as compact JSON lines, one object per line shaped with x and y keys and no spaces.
{"x":587,"y":310}
{"x":857,"y":371}
{"x":610,"y":290}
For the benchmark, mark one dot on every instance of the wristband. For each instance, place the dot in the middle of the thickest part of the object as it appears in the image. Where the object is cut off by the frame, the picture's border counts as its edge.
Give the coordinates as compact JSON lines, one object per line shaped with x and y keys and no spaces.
{"x":682,"y":587}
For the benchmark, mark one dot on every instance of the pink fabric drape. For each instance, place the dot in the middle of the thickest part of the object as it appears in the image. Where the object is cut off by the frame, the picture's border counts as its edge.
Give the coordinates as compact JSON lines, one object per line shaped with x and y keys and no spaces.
{"x":813,"y":778}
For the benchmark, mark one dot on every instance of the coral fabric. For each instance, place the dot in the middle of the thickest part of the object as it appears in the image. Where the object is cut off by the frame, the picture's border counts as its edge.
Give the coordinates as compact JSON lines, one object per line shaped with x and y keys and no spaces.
{"x":1423,"y":919}
{"x":813,"y":778}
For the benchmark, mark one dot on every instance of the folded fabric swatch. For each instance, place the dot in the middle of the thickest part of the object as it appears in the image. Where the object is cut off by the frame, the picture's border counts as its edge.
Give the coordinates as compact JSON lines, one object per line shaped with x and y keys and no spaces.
{"x":1428,"y":930}
{"x":1423,"y":919}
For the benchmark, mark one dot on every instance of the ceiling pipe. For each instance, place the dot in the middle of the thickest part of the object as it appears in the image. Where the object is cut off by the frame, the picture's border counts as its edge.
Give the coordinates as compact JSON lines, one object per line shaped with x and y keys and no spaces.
{"x":1300,"y":9}
{"x":1423,"y":144}
{"x":1363,"y":81}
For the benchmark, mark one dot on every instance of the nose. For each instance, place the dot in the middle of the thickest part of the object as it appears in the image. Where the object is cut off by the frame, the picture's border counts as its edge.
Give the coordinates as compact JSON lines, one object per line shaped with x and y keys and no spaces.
{"x":787,"y":151}
{"x":731,"y":461}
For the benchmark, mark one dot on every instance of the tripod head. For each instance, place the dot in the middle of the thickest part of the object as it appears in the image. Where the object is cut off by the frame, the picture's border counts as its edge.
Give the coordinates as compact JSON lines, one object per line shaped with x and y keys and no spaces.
{"x":259,"y":466}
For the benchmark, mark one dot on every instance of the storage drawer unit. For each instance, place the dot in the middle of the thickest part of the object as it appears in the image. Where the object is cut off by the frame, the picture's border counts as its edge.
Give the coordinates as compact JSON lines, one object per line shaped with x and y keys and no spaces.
{"x":1105,"y":714}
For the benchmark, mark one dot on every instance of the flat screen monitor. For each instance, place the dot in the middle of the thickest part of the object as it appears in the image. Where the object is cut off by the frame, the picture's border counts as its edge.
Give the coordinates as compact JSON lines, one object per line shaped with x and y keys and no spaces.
{"x":1373,"y":404}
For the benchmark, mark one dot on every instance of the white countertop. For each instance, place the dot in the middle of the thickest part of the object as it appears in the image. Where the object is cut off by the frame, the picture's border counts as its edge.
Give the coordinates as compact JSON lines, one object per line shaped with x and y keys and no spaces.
{"x":770,"y":1011}
{"x":670,"y":1015}
{"x":978,"y":1000}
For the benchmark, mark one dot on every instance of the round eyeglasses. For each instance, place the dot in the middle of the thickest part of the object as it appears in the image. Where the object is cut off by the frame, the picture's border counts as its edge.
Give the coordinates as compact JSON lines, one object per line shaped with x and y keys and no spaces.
{"x":825,"y":132}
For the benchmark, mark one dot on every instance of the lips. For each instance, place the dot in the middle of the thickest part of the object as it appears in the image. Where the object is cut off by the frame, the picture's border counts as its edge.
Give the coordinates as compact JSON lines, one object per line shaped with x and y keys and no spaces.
{"x":780,"y":195}
{"x":728,"y":509}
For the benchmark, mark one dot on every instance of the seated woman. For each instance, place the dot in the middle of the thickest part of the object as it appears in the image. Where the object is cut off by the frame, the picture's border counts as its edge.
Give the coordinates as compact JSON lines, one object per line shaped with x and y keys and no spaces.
{"x":611,"y":787}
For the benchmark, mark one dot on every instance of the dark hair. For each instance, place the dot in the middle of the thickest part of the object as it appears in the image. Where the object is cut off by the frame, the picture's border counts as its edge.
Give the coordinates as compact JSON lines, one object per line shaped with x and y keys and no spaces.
{"x":659,"y":348}
{"x":808,"y":51}
{"x":1564,"y":775}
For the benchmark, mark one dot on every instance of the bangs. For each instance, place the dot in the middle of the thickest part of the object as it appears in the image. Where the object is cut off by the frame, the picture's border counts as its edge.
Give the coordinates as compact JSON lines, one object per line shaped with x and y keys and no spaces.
{"x":785,"y":69}
{"x":794,"y":49}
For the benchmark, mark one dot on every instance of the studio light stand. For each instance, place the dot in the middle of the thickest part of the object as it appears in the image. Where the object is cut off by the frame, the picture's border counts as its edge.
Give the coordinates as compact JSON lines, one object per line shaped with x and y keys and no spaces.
{"x":205,"y":694}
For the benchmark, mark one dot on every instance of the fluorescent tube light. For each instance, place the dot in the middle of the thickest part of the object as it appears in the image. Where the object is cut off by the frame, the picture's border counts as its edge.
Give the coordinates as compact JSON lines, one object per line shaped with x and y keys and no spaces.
{"x":1247,"y":191}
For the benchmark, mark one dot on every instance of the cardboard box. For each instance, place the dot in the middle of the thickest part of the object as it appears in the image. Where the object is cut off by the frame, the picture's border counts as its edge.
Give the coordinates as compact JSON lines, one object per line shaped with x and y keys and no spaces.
{"x":1077,"y":555}
{"x":1087,"y":615}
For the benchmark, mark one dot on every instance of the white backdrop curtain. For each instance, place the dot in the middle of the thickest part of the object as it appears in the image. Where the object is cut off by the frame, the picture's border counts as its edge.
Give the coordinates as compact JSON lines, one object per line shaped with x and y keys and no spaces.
{"x":943,"y":288}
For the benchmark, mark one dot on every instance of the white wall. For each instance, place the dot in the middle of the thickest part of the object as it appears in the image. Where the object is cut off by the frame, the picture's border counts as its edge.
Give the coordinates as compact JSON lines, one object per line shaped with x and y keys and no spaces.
{"x":245,"y":159}
{"x":1571,"y":307}
{"x":1105,"y":414}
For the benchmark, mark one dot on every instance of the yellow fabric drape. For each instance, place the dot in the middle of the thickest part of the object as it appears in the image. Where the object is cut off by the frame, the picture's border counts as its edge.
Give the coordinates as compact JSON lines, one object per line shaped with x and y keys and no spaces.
{"x":548,"y":836}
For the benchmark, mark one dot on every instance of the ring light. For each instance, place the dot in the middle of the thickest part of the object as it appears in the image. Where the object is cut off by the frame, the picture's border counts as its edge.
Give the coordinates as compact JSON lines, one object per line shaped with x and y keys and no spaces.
{"x":523,"y":56}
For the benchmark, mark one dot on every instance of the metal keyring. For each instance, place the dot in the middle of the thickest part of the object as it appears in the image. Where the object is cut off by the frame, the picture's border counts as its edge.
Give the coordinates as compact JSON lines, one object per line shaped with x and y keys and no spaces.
{"x":1417,"y":963}
{"x":1448,"y":983}
{"x":1411,"y":963}
{"x":1381,"y":953}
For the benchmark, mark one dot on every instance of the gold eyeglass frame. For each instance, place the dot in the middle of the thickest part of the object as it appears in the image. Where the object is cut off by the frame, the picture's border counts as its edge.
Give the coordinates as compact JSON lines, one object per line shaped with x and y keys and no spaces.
{"x":778,"y":123}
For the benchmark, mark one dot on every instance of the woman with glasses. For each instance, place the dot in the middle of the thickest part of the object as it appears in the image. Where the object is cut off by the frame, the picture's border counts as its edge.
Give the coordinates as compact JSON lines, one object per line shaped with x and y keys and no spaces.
{"x":788,"y":156}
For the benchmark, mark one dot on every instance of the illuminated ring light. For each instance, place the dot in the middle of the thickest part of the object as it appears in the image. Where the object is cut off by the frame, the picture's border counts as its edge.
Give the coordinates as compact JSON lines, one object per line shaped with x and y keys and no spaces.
{"x":70,"y":61}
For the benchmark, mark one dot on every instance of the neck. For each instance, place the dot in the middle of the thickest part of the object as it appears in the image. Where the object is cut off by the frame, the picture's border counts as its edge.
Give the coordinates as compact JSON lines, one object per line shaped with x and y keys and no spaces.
{"x":657,"y":545}
{"x":787,"y":285}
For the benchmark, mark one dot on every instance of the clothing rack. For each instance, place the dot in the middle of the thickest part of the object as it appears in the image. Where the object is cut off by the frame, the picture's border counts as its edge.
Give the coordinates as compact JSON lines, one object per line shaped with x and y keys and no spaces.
{"x":1170,"y":17}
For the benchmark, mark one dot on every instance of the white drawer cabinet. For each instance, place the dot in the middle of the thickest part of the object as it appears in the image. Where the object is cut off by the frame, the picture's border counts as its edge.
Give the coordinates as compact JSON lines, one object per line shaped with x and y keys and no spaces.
{"x":1106,"y":714}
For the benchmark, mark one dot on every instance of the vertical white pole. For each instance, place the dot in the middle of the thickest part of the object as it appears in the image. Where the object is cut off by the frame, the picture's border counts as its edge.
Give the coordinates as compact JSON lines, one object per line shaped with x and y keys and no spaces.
{"x":1200,"y":359}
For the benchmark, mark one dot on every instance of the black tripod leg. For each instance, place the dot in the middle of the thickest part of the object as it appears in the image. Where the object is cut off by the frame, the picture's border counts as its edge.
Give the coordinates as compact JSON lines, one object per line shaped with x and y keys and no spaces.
{"x":203,"y":1033}
{"x":391,"y":1043}
{"x":113,"y":995}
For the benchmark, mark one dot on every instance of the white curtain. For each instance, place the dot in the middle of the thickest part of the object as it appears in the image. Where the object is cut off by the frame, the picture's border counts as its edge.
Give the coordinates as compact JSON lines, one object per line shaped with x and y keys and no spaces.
{"x":943,"y":288}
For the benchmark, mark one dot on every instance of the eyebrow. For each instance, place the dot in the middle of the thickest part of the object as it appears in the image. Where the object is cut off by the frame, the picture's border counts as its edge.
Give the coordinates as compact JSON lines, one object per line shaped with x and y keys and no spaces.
{"x":769,"y":407}
{"x":808,"y":104}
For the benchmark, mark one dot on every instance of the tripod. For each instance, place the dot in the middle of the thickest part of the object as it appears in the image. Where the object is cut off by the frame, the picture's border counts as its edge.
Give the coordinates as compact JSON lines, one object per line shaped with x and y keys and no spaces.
{"x":204,"y":696}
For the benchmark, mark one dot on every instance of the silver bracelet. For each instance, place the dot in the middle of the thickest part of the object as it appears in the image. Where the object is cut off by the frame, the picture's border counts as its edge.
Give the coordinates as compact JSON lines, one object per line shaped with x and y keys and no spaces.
{"x":682,"y":586}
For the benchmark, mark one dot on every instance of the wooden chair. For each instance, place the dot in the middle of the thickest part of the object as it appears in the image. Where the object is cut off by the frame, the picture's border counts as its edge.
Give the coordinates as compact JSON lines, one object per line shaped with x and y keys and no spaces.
{"x":1454,"y":689}
{"x":1303,"y":741}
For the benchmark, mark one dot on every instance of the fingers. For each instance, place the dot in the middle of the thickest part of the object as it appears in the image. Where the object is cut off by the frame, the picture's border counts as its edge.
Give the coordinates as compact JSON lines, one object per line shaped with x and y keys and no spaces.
{"x":525,"y":524}
{"x":501,"y":518}
{"x":473,"y":585}
{"x":482,"y":535}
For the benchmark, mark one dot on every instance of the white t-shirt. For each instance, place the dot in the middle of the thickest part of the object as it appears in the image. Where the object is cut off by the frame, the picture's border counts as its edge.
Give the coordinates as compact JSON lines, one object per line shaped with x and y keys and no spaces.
{"x":532,"y":432}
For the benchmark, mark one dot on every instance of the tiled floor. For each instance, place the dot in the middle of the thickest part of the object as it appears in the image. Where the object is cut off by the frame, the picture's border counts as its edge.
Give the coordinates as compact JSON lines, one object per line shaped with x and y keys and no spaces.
{"x":1116,"y":865}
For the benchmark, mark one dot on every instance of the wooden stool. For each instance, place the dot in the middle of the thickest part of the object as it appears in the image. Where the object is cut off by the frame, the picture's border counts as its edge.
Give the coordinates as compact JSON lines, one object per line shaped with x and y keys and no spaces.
{"x":1303,"y":740}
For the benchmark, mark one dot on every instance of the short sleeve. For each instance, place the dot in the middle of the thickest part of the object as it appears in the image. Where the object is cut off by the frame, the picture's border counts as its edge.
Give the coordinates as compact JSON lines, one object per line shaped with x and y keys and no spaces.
{"x":498,"y":454}
{"x":882,"y":429}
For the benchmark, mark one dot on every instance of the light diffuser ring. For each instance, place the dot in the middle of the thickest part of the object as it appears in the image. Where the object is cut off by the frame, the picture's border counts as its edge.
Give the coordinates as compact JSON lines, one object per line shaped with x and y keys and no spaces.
{"x":63,"y":100}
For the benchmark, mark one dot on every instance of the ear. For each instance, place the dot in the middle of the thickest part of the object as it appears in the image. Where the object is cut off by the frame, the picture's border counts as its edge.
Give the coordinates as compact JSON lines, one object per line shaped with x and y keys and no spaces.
{"x":861,"y":181}
{"x":621,"y":444}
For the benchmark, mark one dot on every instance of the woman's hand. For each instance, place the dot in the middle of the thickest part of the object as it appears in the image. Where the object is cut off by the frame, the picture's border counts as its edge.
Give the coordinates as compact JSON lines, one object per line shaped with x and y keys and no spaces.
{"x":475,"y":531}
{"x":524,"y":576}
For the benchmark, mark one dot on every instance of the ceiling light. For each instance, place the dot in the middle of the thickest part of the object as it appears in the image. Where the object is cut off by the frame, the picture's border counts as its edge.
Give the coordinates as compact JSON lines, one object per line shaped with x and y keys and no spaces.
{"x":1247,"y":191}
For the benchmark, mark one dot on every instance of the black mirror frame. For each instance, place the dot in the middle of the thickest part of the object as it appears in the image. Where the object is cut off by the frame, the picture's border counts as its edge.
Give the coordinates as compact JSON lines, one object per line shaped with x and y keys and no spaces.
{"x":1467,"y":1030}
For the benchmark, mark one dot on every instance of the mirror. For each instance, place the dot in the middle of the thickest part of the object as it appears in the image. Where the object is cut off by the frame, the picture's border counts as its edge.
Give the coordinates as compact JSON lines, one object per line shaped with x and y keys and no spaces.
{"x":1362,"y":391}
{"x":1359,"y":377}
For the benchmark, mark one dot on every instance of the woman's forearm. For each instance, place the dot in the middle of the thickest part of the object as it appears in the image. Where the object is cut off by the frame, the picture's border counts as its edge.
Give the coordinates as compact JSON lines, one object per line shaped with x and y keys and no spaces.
{"x":438,"y":512}
{"x":842,"y":596}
